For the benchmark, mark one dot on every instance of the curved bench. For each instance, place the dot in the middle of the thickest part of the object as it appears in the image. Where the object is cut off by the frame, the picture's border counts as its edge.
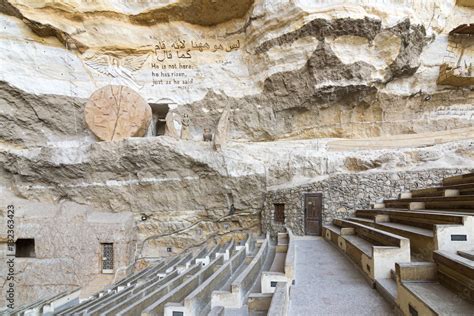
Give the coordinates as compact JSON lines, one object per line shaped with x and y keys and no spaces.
{"x":419,"y":292}
{"x":430,"y":231}
{"x":119,"y":292}
{"x":373,"y":250}
{"x":178,"y":293}
{"x":276,"y":273}
{"x":160,"y":277}
{"x":154,"y":284}
{"x":243,"y":283}
{"x":198,"y":300}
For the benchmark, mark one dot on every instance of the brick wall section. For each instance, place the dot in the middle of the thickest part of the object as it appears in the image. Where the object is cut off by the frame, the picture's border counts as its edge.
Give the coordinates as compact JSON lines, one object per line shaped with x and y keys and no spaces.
{"x":344,"y":193}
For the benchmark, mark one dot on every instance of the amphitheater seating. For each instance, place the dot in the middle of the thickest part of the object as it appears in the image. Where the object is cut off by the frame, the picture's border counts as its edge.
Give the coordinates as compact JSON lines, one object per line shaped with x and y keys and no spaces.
{"x":420,"y":293}
{"x":198,"y":300}
{"x":228,"y":275}
{"x":448,"y":190}
{"x":126,"y":286}
{"x":235,"y":296}
{"x":439,"y":225}
{"x":467,"y":178}
{"x":461,"y":202}
{"x":279,"y":278}
{"x":163,"y":276}
{"x":427,"y":231}
{"x":374,"y":251}
{"x":276,"y":273}
{"x":456,"y":272}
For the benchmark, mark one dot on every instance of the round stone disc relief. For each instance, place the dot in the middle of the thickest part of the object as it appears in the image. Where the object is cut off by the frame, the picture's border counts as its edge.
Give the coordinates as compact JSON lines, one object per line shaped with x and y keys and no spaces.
{"x":117,"y":112}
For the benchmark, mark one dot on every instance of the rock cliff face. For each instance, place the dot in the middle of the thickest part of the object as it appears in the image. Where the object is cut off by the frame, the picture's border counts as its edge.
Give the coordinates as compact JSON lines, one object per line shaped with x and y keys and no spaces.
{"x":295,"y":76}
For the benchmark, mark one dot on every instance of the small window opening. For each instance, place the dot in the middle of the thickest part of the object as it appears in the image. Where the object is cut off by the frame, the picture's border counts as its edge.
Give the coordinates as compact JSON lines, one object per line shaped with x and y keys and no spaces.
{"x":107,"y":257}
{"x":25,"y":248}
{"x":279,"y":215}
{"x":158,"y":122}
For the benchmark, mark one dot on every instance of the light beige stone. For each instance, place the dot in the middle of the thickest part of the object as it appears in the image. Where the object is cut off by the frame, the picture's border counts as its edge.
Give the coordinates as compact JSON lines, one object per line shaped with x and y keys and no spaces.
{"x":170,"y":129}
{"x":117,"y":112}
{"x":185,"y":122}
{"x":222,"y":129}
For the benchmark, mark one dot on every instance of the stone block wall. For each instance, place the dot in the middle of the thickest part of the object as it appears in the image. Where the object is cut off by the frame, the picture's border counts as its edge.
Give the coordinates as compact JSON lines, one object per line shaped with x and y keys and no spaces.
{"x":345,"y":193}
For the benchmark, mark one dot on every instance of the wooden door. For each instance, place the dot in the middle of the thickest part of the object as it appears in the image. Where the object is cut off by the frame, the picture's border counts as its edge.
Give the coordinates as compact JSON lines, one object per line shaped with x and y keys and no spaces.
{"x":313,"y":206}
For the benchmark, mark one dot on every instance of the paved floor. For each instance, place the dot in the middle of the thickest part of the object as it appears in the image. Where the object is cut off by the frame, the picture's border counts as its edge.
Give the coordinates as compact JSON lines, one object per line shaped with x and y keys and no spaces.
{"x":327,"y":283}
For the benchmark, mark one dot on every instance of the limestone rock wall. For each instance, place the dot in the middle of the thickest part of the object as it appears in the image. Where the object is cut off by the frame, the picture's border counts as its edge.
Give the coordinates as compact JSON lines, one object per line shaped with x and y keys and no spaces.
{"x":288,"y":69}
{"x":295,"y":75}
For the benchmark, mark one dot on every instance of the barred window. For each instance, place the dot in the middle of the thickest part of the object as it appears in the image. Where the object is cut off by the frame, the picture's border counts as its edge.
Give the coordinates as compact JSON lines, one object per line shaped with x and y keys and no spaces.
{"x":279,"y":215}
{"x":107,"y":257}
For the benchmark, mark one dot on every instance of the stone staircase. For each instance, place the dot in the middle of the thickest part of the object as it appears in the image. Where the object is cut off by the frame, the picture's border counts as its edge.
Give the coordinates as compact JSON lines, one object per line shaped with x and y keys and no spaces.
{"x":236,"y":278}
{"x":417,"y":250}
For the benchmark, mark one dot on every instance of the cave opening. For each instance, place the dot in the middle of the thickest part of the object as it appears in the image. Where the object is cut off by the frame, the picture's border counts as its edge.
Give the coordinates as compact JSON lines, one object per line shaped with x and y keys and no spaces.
{"x":158,"y":121}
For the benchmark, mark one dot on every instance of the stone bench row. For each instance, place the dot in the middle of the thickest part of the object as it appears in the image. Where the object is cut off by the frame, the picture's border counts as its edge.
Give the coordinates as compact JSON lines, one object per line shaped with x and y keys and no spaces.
{"x":147,"y":286}
{"x":460,"y":179}
{"x":280,"y":278}
{"x":460,"y":202}
{"x":456,"y":272}
{"x":152,"y":291}
{"x":175,"y":287}
{"x":421,"y":293}
{"x":449,"y":190}
{"x":241,"y":286}
{"x":427,"y":231}
{"x":193,"y":296}
{"x":374,"y":251}
{"x":198,"y":300}
{"x":110,"y":295}
{"x":138,"y":283}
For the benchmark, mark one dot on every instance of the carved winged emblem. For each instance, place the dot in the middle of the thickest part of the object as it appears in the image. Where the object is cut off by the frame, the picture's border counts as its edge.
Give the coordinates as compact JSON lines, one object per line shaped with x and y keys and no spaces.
{"x":120,"y":69}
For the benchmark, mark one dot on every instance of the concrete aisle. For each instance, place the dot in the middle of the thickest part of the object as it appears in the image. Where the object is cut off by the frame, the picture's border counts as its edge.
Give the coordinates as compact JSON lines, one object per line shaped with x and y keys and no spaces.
{"x":327,"y":283}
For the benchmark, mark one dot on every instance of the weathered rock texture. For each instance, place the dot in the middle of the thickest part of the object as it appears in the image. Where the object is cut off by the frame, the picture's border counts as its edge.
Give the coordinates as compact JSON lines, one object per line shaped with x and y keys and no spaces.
{"x":222,"y":129}
{"x":293,"y":73}
{"x":292,"y":70}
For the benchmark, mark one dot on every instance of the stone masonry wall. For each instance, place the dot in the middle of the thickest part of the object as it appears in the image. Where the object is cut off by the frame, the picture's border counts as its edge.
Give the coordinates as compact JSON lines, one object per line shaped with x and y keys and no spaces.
{"x":345,"y":193}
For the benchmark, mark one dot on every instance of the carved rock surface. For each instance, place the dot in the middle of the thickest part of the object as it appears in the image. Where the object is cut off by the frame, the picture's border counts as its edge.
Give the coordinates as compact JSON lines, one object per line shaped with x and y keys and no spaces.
{"x":222,"y":129}
{"x":117,"y":112}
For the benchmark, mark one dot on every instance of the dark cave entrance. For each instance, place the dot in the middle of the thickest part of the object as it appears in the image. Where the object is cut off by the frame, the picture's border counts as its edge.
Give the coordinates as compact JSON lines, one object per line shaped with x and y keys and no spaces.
{"x":158,"y":122}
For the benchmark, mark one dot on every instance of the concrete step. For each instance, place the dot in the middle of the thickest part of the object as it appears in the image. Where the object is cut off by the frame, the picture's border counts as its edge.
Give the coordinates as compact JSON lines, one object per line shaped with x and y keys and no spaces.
{"x":468,"y":254}
{"x":463,"y":202}
{"x":461,"y":179}
{"x":456,"y":273}
{"x":437,"y":298}
{"x":388,"y":289}
{"x":462,"y":189}
{"x":424,"y":219}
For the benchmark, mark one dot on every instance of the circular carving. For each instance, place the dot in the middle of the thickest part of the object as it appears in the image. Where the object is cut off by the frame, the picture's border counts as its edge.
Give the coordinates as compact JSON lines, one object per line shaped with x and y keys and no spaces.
{"x":117,"y":112}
